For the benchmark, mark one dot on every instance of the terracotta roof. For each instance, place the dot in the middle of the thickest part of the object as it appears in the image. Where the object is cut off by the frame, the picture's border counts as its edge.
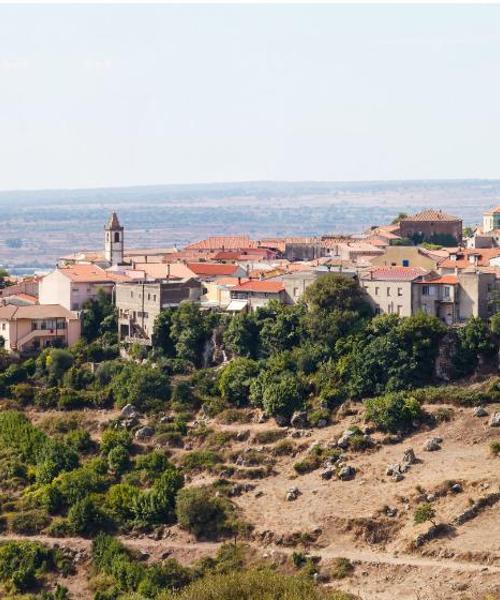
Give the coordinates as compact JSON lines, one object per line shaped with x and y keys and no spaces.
{"x":394,"y":273}
{"x":149,"y":251}
{"x":257,"y":285}
{"x":162,"y":270}
{"x":36,"y":311}
{"x":25,"y":298}
{"x":444,"y":279}
{"x":223,"y":243}
{"x":212,"y":269}
{"x":430,"y":215}
{"x":231,"y":281}
{"x":83,"y":273}
{"x":493,"y":211}
{"x":113,"y":222}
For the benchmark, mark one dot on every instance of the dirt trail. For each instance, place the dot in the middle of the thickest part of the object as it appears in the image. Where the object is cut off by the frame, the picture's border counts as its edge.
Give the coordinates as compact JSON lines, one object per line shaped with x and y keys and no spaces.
{"x":204,"y":548}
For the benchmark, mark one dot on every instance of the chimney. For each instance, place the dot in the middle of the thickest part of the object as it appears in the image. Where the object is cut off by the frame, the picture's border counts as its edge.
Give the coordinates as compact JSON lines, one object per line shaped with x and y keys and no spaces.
{"x":239,"y":280}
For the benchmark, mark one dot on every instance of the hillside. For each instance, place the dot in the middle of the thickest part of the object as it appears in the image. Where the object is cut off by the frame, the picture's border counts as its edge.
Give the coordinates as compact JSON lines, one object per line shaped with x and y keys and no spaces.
{"x":324,"y":459}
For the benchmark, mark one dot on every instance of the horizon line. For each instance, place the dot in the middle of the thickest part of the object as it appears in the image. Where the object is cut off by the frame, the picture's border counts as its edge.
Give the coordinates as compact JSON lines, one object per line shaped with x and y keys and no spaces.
{"x":250,"y":182}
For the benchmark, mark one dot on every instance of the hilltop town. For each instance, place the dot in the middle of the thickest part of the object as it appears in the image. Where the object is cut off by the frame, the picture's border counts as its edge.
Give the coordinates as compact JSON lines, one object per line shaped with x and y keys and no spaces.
{"x":317,"y":415}
{"x":421,"y":262}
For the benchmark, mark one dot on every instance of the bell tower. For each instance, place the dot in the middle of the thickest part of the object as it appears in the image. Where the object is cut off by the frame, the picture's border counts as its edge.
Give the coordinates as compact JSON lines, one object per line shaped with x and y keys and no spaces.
{"x":113,"y":241}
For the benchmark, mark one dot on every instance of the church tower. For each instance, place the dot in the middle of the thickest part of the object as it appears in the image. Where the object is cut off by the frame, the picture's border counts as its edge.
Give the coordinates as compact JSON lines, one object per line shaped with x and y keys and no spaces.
{"x":113,"y":241}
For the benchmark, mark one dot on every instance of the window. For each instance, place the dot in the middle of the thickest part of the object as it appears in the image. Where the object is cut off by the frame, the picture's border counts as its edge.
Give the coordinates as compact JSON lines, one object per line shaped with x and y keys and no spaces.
{"x":406,"y":262}
{"x":154,"y":297}
{"x":376,"y":291}
{"x":400,"y":291}
{"x":446,"y":291}
{"x":399,"y":310}
{"x":425,"y":290}
{"x":75,"y":306}
{"x":131,"y":294}
{"x":149,"y":296}
{"x":388,"y":291}
{"x":117,"y":236}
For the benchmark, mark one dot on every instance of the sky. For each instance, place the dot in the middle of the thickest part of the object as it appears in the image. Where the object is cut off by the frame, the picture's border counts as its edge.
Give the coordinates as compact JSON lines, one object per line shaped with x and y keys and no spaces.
{"x":118,"y":95}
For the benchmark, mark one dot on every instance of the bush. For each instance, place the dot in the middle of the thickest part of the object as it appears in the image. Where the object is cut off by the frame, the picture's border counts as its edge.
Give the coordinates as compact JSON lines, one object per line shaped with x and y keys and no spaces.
{"x":255,"y":585}
{"x":85,"y":518}
{"x":118,"y":460}
{"x":112,"y":438}
{"x":314,"y":459}
{"x":269,"y":436}
{"x":29,"y":522}
{"x":342,"y":567}
{"x":495,"y":448}
{"x":200,"y":459}
{"x":393,"y":412}
{"x":22,"y":563}
{"x":203,"y":514}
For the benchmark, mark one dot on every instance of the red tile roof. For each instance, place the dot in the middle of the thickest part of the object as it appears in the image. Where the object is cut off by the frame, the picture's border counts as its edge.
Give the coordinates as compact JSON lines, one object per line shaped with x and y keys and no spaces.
{"x":394,"y":273}
{"x":493,"y":211}
{"x":430,"y":215}
{"x":256,"y":285}
{"x":444,"y":279}
{"x":213,"y":269}
{"x":235,"y":242}
{"x":36,"y":311}
{"x":83,"y":273}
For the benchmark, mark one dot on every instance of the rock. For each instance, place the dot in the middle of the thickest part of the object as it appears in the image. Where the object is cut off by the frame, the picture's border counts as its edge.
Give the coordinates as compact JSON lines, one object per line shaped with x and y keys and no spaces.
{"x":129,"y":423}
{"x":409,"y":457}
{"x":495,"y":420}
{"x":343,"y":441}
{"x":167,"y":419}
{"x":392,"y":469}
{"x":292,"y":494}
{"x":144,"y":432}
{"x":322,"y":423}
{"x":397,"y":477}
{"x":391,"y":511}
{"x":347,"y":473}
{"x":480,"y":411}
{"x":241,"y":436}
{"x":128,"y":411}
{"x":430,"y":497}
{"x":432,"y":444}
{"x":299,"y":419}
{"x":456,"y":488}
{"x":259,"y":494}
{"x":327,"y":474}
{"x":165,"y":554}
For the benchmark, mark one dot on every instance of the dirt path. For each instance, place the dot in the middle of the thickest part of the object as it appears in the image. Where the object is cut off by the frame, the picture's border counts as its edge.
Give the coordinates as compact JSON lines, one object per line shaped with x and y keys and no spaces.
{"x":155,"y":548}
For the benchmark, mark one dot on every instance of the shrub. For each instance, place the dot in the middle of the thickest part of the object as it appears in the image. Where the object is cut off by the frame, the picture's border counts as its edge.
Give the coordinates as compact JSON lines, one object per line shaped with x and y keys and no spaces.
{"x":118,"y":460}
{"x":423,"y":513}
{"x":284,"y":448}
{"x":393,"y":412}
{"x":79,"y":440}
{"x":111,"y":438}
{"x":203,"y":514}
{"x":495,"y":448}
{"x":342,"y":567}
{"x":85,"y":517}
{"x":314,"y":459}
{"x":22,"y":563}
{"x":269,"y":436}
{"x":255,"y":585}
{"x":233,"y":415}
{"x":200,"y":459}
{"x":29,"y":522}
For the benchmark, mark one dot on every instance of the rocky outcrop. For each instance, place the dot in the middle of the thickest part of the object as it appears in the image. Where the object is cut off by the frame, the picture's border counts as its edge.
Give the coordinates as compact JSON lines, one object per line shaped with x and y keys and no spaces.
{"x":433,"y":444}
{"x":473,"y":511}
{"x":495,"y":420}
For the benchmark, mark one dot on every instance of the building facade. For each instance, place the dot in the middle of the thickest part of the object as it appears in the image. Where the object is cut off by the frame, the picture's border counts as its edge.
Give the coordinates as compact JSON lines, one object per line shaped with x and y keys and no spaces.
{"x":431,"y":225}
{"x":139,"y":303}
{"x":28,"y":329}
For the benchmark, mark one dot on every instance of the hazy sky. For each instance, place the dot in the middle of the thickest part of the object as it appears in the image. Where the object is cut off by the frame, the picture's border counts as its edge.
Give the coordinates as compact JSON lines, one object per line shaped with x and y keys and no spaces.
{"x":123,"y":95}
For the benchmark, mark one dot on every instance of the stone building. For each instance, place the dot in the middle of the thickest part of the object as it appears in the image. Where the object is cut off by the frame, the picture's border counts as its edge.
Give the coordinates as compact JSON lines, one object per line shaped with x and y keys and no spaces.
{"x":139,"y":303}
{"x":432,"y":225}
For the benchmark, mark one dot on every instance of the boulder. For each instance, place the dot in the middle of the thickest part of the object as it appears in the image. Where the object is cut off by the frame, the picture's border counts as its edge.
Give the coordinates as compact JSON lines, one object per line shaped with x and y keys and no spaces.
{"x":347,"y":473}
{"x":495,"y":420}
{"x":299,"y":419}
{"x":480,"y":411}
{"x":327,"y":474}
{"x":343,"y":441}
{"x":409,"y":457}
{"x":432,"y":444}
{"x":392,"y":469}
{"x":456,"y":488}
{"x":144,"y":432}
{"x":128,"y":411}
{"x":397,"y":477}
{"x":292,"y":494}
{"x":322,"y":423}
{"x":391,"y":511}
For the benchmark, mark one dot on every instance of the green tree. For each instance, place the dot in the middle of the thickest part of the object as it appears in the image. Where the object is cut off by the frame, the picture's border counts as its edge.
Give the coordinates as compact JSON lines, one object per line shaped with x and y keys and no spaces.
{"x":475,"y":343}
{"x":162,"y":338}
{"x":118,"y":460}
{"x":283,"y":329}
{"x":241,"y":336}
{"x":4,"y":278}
{"x":400,"y":217}
{"x":99,"y":317}
{"x":85,"y":517}
{"x":190,"y":330}
{"x":143,"y":386}
{"x":235,"y":380}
